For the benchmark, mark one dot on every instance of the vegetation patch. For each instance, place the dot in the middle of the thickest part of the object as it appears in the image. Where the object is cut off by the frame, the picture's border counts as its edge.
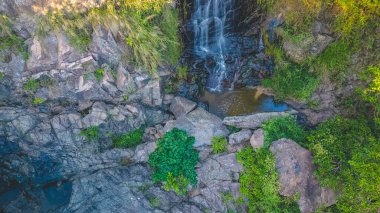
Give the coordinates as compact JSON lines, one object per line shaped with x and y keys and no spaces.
{"x":128,"y":140}
{"x":99,"y":74}
{"x":371,"y":94}
{"x":149,"y":28}
{"x":292,"y":81}
{"x":91,"y":134}
{"x":283,"y":127}
{"x":219,"y":144}
{"x":32,"y":85}
{"x":38,"y":101}
{"x":174,"y":161}
{"x":9,"y":40}
{"x":259,"y":183}
{"x":347,"y":157}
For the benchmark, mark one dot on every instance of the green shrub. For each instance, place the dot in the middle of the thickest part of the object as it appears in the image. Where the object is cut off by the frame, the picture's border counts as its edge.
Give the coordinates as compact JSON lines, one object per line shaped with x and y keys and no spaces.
{"x":259,"y":182}
{"x":334,"y":61}
{"x":2,"y":75}
{"x":293,"y":81}
{"x":371,"y":94}
{"x":177,"y":184}
{"x":32,"y":85}
{"x":283,"y":127}
{"x":128,"y":140}
{"x":99,"y":74}
{"x":182,"y":72}
{"x":347,"y":158}
{"x":38,"y":101}
{"x":219,"y":144}
{"x":174,"y":158}
{"x":91,"y":134}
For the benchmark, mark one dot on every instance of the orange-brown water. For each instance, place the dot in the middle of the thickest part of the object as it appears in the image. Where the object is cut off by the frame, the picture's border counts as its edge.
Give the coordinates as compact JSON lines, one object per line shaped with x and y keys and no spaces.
{"x":241,"y":102}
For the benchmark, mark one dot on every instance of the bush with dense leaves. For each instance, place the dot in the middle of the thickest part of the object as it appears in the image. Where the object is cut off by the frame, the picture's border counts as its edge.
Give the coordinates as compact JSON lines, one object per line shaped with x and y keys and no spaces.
{"x":174,"y":158}
{"x":219,"y":144}
{"x":259,"y":182}
{"x":283,"y":127}
{"x":347,"y":156}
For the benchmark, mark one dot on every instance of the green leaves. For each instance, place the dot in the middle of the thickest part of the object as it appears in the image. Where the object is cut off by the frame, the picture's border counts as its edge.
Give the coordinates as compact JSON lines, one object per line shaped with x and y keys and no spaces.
{"x":128,"y":140}
{"x":174,"y":160}
{"x":348,"y":160}
{"x":283,"y":127}
{"x":219,"y":144}
{"x":92,"y":133}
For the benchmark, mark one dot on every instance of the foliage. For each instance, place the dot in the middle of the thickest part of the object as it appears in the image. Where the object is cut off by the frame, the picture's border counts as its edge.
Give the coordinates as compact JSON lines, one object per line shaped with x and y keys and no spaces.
{"x":233,"y":129}
{"x":283,"y":127}
{"x":32,"y":85}
{"x":334,"y":61}
{"x":2,"y":75}
{"x":91,"y":134}
{"x":174,"y":160}
{"x":38,"y":101}
{"x":348,"y":160}
{"x":182,"y":72}
{"x":371,"y":94}
{"x":128,"y":140}
{"x":9,"y":40}
{"x":259,"y":182}
{"x":99,"y":74}
{"x":219,"y":144}
{"x":293,"y":81}
{"x":155,"y":201}
{"x":149,"y":28}
{"x":177,"y":184}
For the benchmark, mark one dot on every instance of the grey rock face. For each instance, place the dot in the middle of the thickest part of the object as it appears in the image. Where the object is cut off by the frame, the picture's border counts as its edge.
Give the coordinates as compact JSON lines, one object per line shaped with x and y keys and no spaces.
{"x":253,"y":121}
{"x":295,"y":168}
{"x":181,"y":106}
{"x":240,"y":137}
{"x":200,"y":124}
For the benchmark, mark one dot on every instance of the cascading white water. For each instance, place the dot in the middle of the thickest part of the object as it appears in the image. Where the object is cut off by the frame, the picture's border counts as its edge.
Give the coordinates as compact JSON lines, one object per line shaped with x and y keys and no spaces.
{"x":211,"y":20}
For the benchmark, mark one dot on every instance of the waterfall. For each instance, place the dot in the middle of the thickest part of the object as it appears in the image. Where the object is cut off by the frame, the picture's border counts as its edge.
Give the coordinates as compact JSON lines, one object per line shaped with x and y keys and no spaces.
{"x":211,"y":21}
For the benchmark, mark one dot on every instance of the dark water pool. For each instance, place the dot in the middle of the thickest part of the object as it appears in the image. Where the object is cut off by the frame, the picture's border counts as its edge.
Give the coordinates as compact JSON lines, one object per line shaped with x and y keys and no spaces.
{"x":241,"y":102}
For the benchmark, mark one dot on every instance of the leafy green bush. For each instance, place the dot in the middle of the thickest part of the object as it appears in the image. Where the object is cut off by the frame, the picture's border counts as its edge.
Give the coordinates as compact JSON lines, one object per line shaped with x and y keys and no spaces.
{"x":293,"y":81}
{"x":259,"y":182}
{"x":99,"y":74}
{"x":128,"y":140}
{"x":174,"y":160}
{"x":38,"y":101}
{"x":219,"y":144}
{"x":91,"y":134}
{"x":32,"y":85}
{"x":283,"y":127}
{"x":2,"y":75}
{"x":177,"y":184}
{"x":371,"y":94}
{"x":347,"y":158}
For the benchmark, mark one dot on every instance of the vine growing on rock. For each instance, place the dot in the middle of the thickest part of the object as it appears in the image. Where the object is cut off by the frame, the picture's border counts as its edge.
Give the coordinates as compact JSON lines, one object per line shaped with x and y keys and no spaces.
{"x":174,"y":161}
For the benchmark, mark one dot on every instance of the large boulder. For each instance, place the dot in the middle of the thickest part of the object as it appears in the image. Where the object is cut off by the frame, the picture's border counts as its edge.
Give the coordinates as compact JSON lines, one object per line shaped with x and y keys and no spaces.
{"x":257,"y":139}
{"x":253,"y":121}
{"x":295,"y":167}
{"x":181,"y":106}
{"x":200,"y":124}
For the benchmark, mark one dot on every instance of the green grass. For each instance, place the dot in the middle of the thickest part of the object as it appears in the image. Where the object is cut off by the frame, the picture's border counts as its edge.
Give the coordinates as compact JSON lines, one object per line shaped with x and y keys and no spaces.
{"x":219,"y":144}
{"x":2,"y":75}
{"x":128,"y":140}
{"x":292,"y":81}
{"x":283,"y":127}
{"x":91,"y":134}
{"x":9,"y":40}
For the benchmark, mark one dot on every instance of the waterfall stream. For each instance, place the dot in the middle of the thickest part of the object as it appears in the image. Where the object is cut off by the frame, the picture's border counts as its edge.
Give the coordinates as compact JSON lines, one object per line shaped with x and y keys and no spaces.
{"x":212,"y":23}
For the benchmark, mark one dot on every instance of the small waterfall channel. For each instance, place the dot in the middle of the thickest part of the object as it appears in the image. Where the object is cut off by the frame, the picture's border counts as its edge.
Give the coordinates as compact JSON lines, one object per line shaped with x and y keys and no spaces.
{"x":212,"y":22}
